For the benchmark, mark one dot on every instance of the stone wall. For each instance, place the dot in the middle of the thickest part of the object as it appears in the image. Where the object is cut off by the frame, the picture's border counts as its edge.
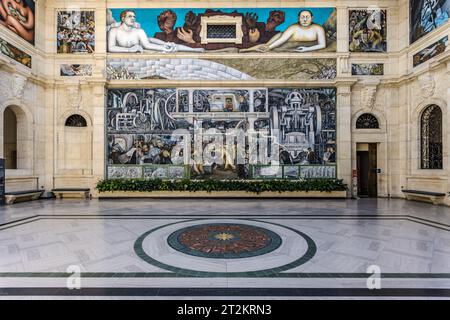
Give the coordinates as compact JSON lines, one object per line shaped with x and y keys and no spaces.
{"x":56,"y":157}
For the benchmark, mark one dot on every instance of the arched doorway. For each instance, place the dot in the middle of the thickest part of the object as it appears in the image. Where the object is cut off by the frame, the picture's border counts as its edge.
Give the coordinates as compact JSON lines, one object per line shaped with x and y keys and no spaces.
{"x":10,"y":138}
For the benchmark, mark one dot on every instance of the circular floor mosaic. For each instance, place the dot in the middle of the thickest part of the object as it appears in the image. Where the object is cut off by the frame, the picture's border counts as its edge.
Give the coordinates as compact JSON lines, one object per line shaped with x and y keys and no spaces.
{"x":225,"y":247}
{"x":224,"y":240}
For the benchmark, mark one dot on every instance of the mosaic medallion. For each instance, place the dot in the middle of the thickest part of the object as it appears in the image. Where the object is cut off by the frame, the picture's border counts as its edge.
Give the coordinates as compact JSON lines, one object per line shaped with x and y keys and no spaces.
{"x":224,"y":240}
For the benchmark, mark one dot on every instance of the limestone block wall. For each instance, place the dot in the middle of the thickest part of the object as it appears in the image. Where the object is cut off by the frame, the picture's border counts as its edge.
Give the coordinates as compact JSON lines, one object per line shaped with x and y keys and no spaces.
{"x":53,"y":155}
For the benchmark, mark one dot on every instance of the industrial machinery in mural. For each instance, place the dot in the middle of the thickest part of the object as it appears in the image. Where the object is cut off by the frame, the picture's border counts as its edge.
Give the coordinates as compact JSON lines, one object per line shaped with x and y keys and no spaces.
{"x":144,"y":140}
{"x":306,"y":120}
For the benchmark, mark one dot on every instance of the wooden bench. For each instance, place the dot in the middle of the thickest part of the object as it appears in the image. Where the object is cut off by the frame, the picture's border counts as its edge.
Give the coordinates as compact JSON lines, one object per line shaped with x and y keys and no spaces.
{"x":72,"y":193}
{"x":19,"y":196}
{"x":428,"y":196}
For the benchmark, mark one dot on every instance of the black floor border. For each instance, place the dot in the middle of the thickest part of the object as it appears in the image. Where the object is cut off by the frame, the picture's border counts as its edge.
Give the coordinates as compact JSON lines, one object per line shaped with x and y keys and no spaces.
{"x":300,"y":275}
{"x":430,"y":223}
{"x":228,"y":292}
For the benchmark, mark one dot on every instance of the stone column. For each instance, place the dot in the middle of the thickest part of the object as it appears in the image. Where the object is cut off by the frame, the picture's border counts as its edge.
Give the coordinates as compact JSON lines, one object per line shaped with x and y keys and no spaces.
{"x":49,"y":105}
{"x":98,"y":131}
{"x":343,"y":134}
{"x":342,"y":29}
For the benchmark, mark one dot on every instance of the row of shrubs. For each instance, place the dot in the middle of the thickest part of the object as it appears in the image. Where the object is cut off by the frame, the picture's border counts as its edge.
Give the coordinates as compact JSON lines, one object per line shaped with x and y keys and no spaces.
{"x":256,"y":186}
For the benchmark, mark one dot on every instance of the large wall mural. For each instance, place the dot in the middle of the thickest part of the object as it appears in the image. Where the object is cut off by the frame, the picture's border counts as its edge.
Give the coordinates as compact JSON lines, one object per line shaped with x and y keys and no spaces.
{"x":222,"y":30}
{"x":426,"y":15}
{"x":221,"y":133}
{"x":15,"y":53}
{"x":221,"y":69}
{"x":19,"y":17}
{"x":76,"y":32}
{"x":367,"y":30}
{"x":431,"y":51}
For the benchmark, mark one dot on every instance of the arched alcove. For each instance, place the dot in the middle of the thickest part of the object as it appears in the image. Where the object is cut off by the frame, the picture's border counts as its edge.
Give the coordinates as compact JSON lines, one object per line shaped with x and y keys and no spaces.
{"x":431,"y":138}
{"x":367,"y":121}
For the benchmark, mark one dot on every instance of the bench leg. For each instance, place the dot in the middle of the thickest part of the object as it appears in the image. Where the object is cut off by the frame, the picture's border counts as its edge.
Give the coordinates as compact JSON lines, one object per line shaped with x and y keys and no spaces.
{"x":9,"y":199}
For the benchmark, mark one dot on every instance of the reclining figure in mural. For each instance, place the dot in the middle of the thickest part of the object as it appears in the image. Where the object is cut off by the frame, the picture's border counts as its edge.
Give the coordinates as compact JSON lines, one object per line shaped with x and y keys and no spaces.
{"x":302,"y":32}
{"x":127,"y":36}
{"x":18,"y":17}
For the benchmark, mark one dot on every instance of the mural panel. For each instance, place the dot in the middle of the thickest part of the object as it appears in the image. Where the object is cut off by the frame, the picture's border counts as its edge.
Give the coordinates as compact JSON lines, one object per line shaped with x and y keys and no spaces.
{"x":222,"y":133}
{"x":222,"y":30}
{"x":76,"y":70}
{"x":14,"y":53}
{"x":426,"y":15}
{"x":19,"y":17}
{"x":430,"y":52}
{"x":367,"y":30}
{"x":221,"y":69}
{"x":76,"y":32}
{"x":367,"y":69}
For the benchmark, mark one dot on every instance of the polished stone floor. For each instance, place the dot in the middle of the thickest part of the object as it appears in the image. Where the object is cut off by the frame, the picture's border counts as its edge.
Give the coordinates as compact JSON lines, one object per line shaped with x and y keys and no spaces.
{"x":224,"y":249}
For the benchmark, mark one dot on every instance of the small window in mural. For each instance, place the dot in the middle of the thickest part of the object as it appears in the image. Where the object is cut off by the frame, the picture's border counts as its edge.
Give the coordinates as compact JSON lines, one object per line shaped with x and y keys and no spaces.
{"x":221,"y":31}
{"x":367,"y":121}
{"x":367,"y":30}
{"x":76,"y":32}
{"x":431,"y":138}
{"x":76,"y":120}
{"x":220,"y":138}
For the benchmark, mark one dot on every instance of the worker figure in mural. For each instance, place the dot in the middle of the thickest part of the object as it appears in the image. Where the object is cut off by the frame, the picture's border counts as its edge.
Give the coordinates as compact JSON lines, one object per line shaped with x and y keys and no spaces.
{"x":305,"y":31}
{"x":17,"y":16}
{"x":129,"y":37}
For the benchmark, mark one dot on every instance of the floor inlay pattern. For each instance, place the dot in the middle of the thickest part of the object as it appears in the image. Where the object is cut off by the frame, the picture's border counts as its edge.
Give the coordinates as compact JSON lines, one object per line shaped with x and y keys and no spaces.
{"x":224,"y":241}
{"x":271,"y":248}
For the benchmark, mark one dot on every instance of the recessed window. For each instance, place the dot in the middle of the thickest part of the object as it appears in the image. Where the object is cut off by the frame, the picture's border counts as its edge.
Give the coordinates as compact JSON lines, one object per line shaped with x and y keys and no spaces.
{"x":221,"y":29}
{"x":76,"y":120}
{"x":367,"y":121}
{"x":431,"y":138}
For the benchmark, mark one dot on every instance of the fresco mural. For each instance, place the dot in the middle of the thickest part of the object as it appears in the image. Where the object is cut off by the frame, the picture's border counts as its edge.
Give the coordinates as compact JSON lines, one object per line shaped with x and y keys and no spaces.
{"x":431,"y":51}
{"x":222,"y":30}
{"x":367,"y":30}
{"x":425,"y":16}
{"x":19,"y":17}
{"x":76,"y":32}
{"x":221,"y":133}
{"x":306,"y":120}
{"x":76,"y":70}
{"x":14,"y":53}
{"x":221,"y":69}
{"x":367,"y":69}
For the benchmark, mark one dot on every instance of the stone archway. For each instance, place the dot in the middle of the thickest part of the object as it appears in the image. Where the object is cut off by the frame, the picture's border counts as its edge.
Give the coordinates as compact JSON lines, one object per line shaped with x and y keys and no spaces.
{"x":17,"y":137}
